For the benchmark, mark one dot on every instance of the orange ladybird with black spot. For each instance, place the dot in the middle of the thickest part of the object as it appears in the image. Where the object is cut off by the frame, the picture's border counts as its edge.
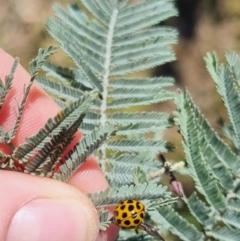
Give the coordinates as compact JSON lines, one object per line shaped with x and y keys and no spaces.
{"x":130,"y":214}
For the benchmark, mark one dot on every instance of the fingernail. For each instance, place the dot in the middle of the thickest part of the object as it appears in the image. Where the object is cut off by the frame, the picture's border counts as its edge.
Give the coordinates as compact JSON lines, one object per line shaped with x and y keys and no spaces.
{"x":51,"y":219}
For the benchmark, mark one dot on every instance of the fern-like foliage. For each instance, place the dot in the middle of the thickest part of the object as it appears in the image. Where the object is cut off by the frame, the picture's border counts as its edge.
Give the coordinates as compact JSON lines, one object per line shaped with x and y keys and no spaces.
{"x":118,"y":39}
{"x":85,"y":148}
{"x":170,"y":220}
{"x":143,"y":191}
{"x":46,"y":149}
{"x":42,"y":154}
{"x":108,"y":42}
{"x":213,"y":164}
{"x":5,"y":136}
{"x":115,"y":42}
{"x":65,"y":118}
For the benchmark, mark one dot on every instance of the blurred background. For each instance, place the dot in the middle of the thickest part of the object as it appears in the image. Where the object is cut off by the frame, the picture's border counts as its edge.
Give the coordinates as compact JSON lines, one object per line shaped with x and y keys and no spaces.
{"x":204,"y":25}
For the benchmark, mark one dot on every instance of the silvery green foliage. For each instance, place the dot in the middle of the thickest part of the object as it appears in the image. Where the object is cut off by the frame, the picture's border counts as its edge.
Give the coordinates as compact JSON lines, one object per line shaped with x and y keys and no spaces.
{"x":117,"y":40}
{"x":108,"y":40}
{"x":213,"y":164}
{"x":108,"y":46}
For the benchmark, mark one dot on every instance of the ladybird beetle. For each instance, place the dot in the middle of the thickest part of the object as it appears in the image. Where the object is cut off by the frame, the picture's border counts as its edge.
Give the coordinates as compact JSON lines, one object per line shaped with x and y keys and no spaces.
{"x":131,"y":214}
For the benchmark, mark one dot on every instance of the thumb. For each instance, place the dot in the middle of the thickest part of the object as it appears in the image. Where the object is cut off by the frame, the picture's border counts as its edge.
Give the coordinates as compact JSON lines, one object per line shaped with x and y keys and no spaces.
{"x":41,"y":209}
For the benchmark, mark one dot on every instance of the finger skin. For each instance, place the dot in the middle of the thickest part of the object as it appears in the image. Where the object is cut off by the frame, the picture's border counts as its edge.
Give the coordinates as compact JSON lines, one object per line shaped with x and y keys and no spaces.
{"x":20,"y":189}
{"x":39,"y":108}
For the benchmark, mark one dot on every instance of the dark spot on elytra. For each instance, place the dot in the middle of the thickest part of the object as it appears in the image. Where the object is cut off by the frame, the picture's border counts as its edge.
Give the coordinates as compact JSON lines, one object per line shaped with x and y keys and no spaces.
{"x":124,"y":215}
{"x":129,"y":201}
{"x":138,"y":205}
{"x":130,"y":208}
{"x":136,"y":221}
{"x":127,"y":222}
{"x":122,"y":207}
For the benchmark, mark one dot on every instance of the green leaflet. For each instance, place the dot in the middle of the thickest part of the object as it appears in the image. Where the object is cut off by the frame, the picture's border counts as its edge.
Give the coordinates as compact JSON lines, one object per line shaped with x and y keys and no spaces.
{"x":60,"y":90}
{"x":224,"y":80}
{"x":200,"y":211}
{"x":231,"y":218}
{"x":128,"y":118}
{"x":54,"y":126}
{"x":214,"y":149}
{"x":82,"y":150}
{"x":225,"y":234}
{"x":5,"y":88}
{"x":144,"y":191}
{"x":138,"y":146}
{"x":141,"y":84}
{"x":67,"y":76}
{"x":120,"y":170}
{"x":234,"y":62}
{"x":43,"y":54}
{"x":212,"y":163}
{"x":195,"y":158}
{"x":234,"y":204}
{"x":129,"y":102}
{"x":173,"y":222}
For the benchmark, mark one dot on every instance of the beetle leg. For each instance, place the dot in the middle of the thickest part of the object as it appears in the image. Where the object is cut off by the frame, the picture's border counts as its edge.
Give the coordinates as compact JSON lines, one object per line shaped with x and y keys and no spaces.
{"x":151,"y":231}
